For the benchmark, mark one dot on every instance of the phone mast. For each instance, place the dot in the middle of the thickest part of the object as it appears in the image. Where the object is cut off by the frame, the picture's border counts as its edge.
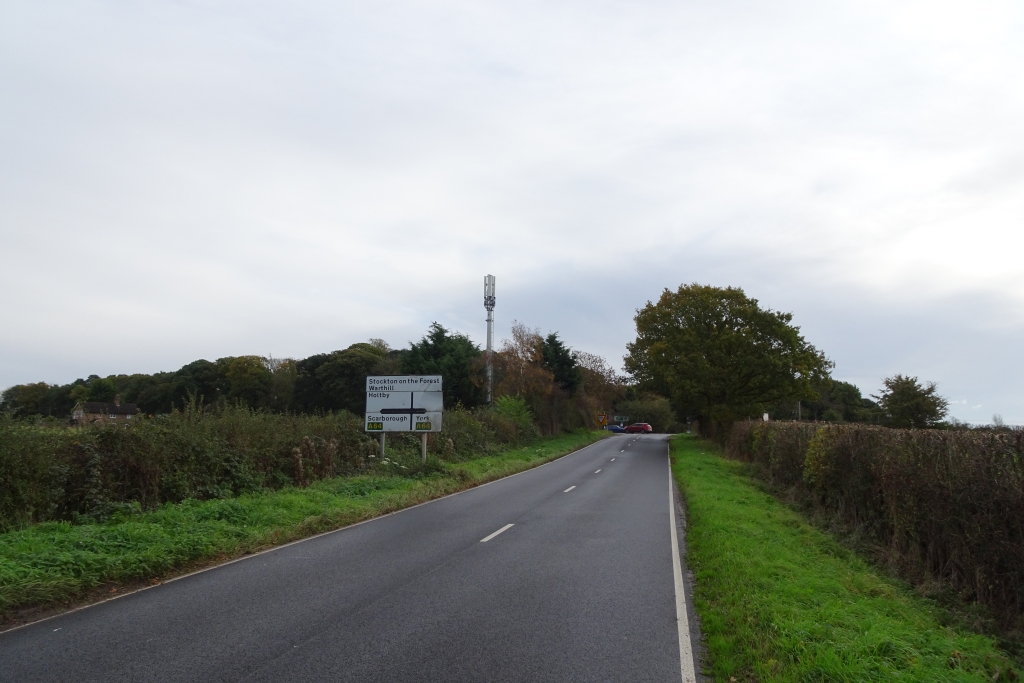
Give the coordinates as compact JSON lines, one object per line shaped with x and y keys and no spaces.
{"x":489,"y":305}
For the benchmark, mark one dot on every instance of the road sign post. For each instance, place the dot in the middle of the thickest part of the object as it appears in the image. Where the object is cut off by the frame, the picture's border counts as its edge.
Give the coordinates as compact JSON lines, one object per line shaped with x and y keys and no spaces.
{"x":404,"y":403}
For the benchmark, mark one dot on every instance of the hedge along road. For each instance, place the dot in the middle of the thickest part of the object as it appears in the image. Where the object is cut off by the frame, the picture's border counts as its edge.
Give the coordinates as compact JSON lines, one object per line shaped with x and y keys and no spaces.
{"x":565,"y":572}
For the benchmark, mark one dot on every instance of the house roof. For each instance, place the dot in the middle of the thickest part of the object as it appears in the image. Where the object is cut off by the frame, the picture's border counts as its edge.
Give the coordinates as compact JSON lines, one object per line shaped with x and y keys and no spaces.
{"x":99,"y":408}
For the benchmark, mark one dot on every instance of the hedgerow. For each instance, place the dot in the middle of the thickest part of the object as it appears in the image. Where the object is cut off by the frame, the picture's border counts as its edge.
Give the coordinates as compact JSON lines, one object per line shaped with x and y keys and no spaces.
{"x":943,"y":505}
{"x":52,"y":473}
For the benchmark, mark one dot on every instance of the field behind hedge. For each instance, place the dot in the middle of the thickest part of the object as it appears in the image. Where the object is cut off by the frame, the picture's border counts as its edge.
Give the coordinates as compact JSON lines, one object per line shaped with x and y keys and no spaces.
{"x":942,"y":507}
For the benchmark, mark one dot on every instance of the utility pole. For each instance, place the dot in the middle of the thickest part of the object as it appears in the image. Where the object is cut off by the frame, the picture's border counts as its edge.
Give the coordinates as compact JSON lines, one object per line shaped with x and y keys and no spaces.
{"x":489,"y":305}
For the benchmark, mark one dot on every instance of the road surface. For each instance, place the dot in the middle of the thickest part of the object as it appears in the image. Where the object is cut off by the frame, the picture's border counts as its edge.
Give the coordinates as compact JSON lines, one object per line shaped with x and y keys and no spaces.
{"x":562,"y":573}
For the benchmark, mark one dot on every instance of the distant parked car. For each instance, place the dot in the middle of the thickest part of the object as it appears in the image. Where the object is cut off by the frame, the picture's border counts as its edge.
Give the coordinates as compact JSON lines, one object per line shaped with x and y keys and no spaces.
{"x":615,"y":428}
{"x":639,"y":428}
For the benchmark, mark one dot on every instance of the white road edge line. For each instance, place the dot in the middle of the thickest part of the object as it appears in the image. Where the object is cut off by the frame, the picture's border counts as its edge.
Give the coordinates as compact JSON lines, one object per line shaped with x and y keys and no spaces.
{"x":686,"y":662}
{"x":568,"y":489}
{"x":504,"y":528}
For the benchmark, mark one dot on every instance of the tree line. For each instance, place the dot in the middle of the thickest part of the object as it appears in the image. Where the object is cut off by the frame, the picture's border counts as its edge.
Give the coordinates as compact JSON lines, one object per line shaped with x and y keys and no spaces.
{"x":706,"y":354}
{"x":324,"y":382}
{"x":562,"y":388}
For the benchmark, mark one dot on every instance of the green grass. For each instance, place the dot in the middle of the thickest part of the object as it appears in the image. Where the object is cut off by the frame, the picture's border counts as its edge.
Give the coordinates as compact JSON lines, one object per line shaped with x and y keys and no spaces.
{"x":780,"y":600}
{"x":57,"y":562}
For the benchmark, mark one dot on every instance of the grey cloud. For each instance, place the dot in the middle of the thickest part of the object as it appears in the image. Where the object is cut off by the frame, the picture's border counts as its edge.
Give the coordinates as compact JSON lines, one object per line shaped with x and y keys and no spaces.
{"x":189,"y":180}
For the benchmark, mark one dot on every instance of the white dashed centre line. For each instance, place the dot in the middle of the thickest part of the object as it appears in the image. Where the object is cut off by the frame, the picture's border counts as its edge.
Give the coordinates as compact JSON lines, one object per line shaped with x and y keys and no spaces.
{"x":613,"y":459}
{"x":568,"y":489}
{"x":597,"y":471}
{"x":504,"y":528}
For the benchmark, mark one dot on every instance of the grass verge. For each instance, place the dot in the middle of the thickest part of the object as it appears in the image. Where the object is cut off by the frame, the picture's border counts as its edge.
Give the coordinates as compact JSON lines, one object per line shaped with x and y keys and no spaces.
{"x":780,"y":600}
{"x":57,"y":564}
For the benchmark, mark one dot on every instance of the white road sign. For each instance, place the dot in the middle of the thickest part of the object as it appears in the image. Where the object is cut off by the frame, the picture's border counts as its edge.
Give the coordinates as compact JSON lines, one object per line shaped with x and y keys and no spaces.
{"x":405,"y":410}
{"x":403,"y":383}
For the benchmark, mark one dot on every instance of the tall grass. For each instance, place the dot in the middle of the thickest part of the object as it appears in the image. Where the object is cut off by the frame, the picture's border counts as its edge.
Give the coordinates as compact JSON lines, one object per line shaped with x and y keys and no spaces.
{"x":944,"y":505}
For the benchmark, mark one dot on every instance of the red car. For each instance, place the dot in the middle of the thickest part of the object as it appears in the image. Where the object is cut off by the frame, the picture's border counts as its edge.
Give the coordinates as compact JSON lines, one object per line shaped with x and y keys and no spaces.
{"x":639,"y":428}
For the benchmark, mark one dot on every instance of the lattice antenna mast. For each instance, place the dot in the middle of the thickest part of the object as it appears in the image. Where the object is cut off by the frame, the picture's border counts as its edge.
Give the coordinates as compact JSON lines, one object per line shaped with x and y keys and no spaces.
{"x":489,"y":305}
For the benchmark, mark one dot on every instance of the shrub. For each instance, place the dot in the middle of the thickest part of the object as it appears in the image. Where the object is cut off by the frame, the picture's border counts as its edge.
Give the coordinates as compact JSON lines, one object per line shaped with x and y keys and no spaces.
{"x":515,"y":408}
{"x":511,"y":419}
{"x":469,"y":435}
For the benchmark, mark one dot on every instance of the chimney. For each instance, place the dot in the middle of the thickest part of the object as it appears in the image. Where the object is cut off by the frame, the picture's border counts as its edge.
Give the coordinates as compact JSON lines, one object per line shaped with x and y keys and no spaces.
{"x":117,"y":399}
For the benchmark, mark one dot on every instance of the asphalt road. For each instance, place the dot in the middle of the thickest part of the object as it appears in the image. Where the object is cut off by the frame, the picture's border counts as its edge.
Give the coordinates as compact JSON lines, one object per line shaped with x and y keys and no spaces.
{"x":579,"y":586}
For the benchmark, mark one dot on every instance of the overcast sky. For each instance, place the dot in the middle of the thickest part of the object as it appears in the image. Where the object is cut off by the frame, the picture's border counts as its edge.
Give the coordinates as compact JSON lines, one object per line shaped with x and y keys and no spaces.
{"x":186,"y":180}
